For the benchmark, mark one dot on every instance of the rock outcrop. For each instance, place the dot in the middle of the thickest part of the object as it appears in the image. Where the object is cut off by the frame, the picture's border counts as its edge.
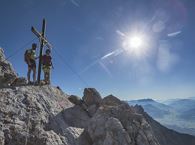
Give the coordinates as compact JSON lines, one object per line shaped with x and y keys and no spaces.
{"x":7,"y":73}
{"x":25,"y":112}
{"x":8,"y":76}
{"x":45,"y":115}
{"x":91,"y":97}
{"x":120,"y":125}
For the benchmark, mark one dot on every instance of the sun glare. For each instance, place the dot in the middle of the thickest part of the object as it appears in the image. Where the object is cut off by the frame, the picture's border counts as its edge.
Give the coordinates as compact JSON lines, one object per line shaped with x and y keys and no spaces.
{"x":136,"y":44}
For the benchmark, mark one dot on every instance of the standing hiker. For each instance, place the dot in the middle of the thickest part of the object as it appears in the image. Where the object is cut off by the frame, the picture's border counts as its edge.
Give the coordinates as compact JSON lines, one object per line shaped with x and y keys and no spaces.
{"x":30,"y":59}
{"x":47,"y":65}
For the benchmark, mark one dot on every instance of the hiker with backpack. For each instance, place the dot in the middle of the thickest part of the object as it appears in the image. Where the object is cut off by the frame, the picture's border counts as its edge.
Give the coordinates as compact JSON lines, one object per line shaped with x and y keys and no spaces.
{"x":47,"y":65}
{"x":30,"y":59}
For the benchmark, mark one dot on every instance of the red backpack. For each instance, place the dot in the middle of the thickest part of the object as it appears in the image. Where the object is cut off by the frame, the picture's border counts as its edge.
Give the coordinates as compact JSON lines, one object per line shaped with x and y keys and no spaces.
{"x":46,"y":60}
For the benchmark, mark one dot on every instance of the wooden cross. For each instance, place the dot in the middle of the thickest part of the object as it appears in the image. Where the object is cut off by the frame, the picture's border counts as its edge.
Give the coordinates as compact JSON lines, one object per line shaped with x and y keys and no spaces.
{"x":43,"y":42}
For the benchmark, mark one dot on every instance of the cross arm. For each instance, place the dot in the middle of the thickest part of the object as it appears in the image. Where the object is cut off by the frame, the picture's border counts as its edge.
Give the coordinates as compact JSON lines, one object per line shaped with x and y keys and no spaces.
{"x":41,"y":37}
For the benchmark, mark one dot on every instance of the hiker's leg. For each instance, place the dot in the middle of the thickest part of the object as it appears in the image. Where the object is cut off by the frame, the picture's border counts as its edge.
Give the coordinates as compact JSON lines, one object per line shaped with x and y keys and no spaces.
{"x":43,"y":68}
{"x":49,"y":77}
{"x":28,"y":74}
{"x":46,"y":77}
{"x":34,"y":74}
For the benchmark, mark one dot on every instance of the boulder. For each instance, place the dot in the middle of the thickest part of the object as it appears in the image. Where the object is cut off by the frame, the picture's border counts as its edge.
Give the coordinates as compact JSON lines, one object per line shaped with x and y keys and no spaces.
{"x":111,"y":101}
{"x":91,"y":97}
{"x":75,"y":100}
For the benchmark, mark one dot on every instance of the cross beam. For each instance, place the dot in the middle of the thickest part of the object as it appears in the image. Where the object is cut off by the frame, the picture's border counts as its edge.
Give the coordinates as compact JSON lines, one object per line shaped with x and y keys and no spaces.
{"x":41,"y":37}
{"x":43,"y":42}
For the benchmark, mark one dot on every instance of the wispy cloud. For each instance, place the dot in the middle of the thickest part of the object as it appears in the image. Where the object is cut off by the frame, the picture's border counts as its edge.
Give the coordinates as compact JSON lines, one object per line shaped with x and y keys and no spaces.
{"x":76,"y":3}
{"x":105,"y":68}
{"x":113,"y":53}
{"x":89,"y":66}
{"x":99,"y":60}
{"x":107,"y":55}
{"x":120,"y":33}
{"x":173,"y":34}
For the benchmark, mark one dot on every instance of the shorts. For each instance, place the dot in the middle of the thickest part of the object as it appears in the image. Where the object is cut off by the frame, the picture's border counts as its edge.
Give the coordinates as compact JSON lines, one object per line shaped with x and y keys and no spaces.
{"x":46,"y":68}
{"x":32,"y":64}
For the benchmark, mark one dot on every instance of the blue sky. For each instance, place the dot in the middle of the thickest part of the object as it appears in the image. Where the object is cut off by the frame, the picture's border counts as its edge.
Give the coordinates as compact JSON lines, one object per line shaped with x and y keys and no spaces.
{"x":90,"y":37}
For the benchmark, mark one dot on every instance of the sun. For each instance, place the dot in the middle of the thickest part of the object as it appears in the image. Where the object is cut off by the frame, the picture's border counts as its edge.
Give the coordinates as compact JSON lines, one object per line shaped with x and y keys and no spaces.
{"x":136,"y":44}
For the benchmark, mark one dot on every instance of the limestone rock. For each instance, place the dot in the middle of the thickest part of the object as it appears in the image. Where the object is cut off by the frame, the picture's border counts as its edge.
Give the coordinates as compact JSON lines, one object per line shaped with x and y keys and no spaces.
{"x":75,"y":100}
{"x":26,"y":111}
{"x":77,"y":136}
{"x":91,"y":97}
{"x":111,"y":101}
{"x":92,"y":109}
{"x":19,"y":81}
{"x":115,"y":133}
{"x":2,"y":138}
{"x":118,"y":125}
{"x":76,"y":116}
{"x":7,"y":73}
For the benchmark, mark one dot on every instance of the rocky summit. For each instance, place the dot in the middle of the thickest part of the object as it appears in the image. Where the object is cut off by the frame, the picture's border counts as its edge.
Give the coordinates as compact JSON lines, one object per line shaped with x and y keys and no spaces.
{"x":45,"y":115}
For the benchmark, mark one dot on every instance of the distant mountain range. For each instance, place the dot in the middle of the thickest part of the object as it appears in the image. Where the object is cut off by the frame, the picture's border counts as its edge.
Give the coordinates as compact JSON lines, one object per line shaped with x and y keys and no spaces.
{"x":177,"y":114}
{"x":155,"y":109}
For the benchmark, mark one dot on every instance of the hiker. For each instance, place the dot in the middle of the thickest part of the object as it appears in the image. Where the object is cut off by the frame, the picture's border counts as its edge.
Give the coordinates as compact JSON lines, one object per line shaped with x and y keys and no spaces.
{"x":30,"y":59}
{"x":47,"y":65}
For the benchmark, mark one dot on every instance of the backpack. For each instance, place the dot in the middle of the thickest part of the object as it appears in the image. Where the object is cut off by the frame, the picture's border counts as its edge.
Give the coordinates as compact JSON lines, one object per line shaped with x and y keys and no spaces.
{"x":27,"y":55}
{"x":46,"y":60}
